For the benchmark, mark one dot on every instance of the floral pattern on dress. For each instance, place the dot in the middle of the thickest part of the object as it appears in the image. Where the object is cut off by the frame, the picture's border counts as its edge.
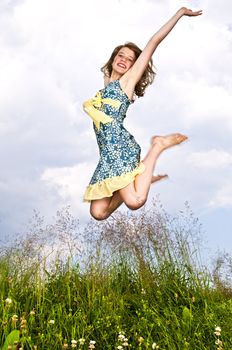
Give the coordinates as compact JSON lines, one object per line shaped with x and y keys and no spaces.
{"x":119,"y":151}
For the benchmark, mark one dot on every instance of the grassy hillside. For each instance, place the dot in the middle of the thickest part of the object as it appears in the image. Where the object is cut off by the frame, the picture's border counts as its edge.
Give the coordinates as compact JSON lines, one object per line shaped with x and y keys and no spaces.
{"x":135,"y":281}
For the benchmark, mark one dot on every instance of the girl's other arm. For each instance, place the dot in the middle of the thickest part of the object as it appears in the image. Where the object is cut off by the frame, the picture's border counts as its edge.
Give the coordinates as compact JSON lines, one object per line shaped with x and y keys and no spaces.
{"x":136,"y":71}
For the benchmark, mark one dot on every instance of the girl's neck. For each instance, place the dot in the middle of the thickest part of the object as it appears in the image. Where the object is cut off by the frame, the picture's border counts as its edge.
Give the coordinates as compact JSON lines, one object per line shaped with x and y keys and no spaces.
{"x":115,"y":76}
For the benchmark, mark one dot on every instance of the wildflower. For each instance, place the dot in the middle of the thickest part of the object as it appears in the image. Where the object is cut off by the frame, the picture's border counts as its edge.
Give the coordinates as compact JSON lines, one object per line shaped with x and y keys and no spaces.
{"x":65,"y":346}
{"x":140,"y":340}
{"x":217,"y":331}
{"x":23,"y":323}
{"x":121,"y":336}
{"x":125,"y":344}
{"x":120,"y":347}
{"x":14,"y":318}
{"x":193,"y":299}
{"x":218,"y":342}
{"x":92,"y":344}
{"x":155,"y":346}
{"x":32,"y":312}
{"x":51,"y":321}
{"x":8,"y":301}
{"x":82,"y":341}
{"x":143,"y":291}
{"x":73,"y":343}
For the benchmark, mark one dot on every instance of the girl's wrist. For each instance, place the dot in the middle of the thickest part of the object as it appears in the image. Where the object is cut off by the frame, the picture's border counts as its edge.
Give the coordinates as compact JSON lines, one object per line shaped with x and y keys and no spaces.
{"x":181,"y":11}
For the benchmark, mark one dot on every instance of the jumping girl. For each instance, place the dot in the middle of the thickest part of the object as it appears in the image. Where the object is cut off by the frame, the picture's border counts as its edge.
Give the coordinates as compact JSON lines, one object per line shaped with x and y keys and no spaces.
{"x":120,"y":176}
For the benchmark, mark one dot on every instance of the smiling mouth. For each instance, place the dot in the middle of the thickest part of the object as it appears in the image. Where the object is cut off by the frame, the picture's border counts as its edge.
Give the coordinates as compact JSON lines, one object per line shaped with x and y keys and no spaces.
{"x":121,"y":65}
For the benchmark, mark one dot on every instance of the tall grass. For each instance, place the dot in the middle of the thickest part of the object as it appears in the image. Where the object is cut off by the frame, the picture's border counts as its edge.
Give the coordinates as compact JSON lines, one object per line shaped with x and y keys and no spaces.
{"x":135,"y":281}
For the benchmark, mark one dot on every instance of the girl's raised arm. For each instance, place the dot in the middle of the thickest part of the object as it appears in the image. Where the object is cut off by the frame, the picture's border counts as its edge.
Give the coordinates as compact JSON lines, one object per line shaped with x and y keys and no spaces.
{"x":136,"y":71}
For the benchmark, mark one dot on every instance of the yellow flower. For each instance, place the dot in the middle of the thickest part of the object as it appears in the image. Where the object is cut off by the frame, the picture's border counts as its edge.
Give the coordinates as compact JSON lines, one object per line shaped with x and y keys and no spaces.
{"x":14,"y":318}
{"x":140,"y":340}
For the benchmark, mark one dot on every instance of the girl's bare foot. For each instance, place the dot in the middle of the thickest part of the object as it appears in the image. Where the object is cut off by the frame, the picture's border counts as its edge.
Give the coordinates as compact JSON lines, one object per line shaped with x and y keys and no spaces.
{"x":164,"y":142}
{"x":158,"y":178}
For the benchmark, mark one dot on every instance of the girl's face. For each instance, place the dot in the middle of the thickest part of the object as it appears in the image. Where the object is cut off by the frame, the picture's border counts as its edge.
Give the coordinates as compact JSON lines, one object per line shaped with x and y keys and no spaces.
{"x":123,"y":61}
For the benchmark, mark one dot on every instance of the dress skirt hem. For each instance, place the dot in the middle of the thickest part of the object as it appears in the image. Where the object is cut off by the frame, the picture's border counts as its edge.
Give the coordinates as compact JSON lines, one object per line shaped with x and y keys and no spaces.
{"x":107,"y":187}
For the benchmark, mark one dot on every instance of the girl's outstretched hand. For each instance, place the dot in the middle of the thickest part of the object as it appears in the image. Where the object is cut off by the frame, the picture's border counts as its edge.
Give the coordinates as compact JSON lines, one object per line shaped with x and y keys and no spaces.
{"x":188,"y":12}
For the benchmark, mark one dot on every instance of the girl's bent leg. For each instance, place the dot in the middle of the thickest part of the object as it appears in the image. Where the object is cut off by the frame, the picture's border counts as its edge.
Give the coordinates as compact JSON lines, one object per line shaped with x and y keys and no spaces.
{"x":101,"y":209}
{"x":135,"y":194}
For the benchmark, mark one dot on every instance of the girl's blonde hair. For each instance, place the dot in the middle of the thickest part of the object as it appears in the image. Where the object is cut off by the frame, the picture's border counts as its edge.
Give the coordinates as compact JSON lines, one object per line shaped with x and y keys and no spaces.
{"x":148,"y":75}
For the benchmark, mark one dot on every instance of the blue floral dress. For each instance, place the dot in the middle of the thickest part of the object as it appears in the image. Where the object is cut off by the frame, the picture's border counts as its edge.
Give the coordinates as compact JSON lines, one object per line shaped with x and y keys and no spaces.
{"x":119,"y":161}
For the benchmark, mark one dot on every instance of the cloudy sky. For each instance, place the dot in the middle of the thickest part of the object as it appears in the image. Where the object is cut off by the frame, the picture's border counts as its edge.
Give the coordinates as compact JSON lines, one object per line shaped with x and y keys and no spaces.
{"x":50,"y":55}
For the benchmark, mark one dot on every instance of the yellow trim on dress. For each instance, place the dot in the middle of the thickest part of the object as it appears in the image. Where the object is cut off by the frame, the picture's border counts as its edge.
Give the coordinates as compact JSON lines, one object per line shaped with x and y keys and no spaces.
{"x":90,"y":107}
{"x":106,"y":187}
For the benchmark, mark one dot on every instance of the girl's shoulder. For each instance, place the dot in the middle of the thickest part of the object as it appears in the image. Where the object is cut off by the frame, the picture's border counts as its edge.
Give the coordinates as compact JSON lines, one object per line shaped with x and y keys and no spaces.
{"x":106,"y":80}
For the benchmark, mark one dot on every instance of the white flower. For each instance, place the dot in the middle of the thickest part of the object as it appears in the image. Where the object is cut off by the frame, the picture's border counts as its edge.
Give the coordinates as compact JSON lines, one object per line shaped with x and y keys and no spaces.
{"x":121,"y":337}
{"x":154,"y":345}
{"x":217,"y":331}
{"x":82,"y":341}
{"x":125,"y":343}
{"x":73,"y":343}
{"x":32,"y":312}
{"x":92,"y":344}
{"x":14,"y":318}
{"x":51,"y":321}
{"x":218,"y":342}
{"x":143,"y":291}
{"x":8,"y":301}
{"x":120,"y":347}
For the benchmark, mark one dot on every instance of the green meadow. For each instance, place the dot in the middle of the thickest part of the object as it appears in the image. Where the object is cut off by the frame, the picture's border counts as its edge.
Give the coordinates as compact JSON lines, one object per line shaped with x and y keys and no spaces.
{"x":135,"y":281}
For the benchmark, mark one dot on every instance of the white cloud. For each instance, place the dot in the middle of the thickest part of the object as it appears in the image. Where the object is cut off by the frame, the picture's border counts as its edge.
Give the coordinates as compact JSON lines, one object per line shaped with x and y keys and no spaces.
{"x":70,"y":184}
{"x":213,"y":159}
{"x":222,"y":197}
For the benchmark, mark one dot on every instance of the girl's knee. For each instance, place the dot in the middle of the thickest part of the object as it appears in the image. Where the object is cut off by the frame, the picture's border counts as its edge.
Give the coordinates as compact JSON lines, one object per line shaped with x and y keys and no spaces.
{"x":98,"y":214}
{"x":136,"y":203}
